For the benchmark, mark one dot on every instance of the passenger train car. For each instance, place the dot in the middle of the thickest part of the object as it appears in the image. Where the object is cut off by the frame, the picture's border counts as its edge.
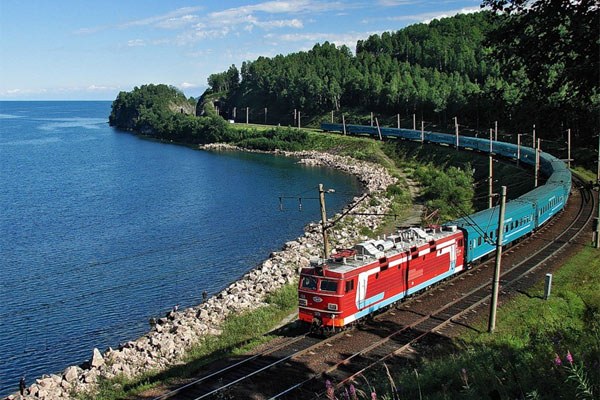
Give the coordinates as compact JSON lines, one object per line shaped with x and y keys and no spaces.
{"x":354,"y":283}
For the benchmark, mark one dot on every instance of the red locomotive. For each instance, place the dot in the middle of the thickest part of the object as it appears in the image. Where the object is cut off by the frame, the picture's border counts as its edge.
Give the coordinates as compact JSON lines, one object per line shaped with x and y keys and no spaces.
{"x":356,"y":282}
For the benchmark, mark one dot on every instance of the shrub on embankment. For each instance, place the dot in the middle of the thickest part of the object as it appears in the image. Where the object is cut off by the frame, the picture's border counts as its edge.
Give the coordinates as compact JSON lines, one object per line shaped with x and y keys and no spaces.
{"x":541,"y":349}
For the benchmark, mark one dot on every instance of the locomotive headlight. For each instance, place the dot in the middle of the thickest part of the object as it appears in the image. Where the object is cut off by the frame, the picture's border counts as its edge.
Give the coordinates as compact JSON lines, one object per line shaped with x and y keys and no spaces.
{"x":332,"y":307}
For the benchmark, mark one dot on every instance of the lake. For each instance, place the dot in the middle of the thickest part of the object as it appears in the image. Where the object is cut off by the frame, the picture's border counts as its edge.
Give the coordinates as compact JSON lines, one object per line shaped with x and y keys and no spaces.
{"x":102,"y":230}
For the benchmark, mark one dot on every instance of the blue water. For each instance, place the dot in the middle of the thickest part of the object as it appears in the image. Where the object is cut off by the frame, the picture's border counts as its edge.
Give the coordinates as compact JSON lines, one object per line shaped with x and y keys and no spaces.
{"x":101,"y":230}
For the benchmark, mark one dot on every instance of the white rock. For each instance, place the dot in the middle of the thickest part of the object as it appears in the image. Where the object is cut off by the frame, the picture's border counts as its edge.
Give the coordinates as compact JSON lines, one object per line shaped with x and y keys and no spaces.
{"x":97,"y":359}
{"x":71,"y":374}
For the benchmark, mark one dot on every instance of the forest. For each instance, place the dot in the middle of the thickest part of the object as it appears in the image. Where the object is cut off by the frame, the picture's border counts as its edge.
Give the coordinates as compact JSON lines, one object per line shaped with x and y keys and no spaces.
{"x":519,"y":62}
{"x":516,"y":64}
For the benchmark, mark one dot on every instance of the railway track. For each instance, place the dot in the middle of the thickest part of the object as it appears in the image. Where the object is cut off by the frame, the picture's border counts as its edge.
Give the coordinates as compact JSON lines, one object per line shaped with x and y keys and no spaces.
{"x":388,"y":336}
{"x":397,"y":342}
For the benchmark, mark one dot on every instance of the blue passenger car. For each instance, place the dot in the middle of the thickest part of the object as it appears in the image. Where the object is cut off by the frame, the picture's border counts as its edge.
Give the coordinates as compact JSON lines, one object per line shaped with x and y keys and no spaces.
{"x":548,"y":200}
{"x":522,"y":215}
{"x":481,"y":228}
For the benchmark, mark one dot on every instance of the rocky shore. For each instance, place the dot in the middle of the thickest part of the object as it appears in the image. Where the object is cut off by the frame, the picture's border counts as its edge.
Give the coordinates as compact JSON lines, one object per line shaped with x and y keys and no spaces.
{"x":171,"y":336}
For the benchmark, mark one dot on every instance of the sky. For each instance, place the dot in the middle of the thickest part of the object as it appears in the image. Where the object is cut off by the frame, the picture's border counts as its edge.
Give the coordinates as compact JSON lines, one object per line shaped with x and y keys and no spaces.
{"x":91,"y":50}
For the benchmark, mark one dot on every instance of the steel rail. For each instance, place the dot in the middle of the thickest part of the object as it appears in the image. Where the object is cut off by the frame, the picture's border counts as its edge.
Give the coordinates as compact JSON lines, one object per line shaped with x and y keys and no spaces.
{"x":229,"y":367}
{"x":578,"y":224}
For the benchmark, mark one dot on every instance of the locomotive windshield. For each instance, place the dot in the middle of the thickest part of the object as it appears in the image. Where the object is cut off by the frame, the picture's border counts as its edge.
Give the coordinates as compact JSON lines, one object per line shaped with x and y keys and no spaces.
{"x":328,"y":286}
{"x":308,"y":282}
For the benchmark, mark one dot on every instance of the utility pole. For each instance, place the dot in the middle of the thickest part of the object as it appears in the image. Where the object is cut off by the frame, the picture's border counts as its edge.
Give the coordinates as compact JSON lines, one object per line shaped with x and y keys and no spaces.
{"x":456,"y":130}
{"x":299,"y":118}
{"x":324,"y":219}
{"x":569,"y":147}
{"x":537,"y":163}
{"x":247,"y":112}
{"x":332,"y":116}
{"x":414,"y":122}
{"x":295,"y":116}
{"x":496,"y":131}
{"x":344,"y":124}
{"x":398,"y":120}
{"x":533,"y":143}
{"x":518,"y":148}
{"x":491,"y":175}
{"x":496,"y":281}
{"x":378,"y":129}
{"x":265,"y":115}
{"x":422,"y":131}
{"x":234,"y":112}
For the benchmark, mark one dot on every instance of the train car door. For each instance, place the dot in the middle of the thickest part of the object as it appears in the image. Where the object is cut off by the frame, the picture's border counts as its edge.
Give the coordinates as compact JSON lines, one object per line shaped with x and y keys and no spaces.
{"x":452,"y":257}
{"x":361,"y":290}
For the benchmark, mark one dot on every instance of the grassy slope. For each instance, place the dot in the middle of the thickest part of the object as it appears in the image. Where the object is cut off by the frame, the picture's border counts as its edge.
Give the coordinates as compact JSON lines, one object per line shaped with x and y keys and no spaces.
{"x":519,"y":359}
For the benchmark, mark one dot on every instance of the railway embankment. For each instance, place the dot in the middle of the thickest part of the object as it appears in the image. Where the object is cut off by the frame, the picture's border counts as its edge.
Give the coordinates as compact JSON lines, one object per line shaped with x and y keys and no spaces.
{"x":169,"y":337}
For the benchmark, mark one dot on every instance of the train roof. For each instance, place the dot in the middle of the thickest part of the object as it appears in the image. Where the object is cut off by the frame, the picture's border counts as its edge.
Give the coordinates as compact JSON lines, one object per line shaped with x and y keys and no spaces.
{"x":487,"y":218}
{"x":375,"y":250}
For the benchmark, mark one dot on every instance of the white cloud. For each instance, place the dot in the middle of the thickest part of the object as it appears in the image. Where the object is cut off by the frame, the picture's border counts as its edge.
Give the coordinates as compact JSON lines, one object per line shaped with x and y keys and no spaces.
{"x":136,"y":43}
{"x":282,"y":23}
{"x":171,"y":20}
{"x":16,"y":92}
{"x":178,"y":22}
{"x":430,"y":16}
{"x":194,"y":26}
{"x":99,"y":88}
{"x":394,"y":3}
{"x":188,"y":85}
{"x":279,"y":7}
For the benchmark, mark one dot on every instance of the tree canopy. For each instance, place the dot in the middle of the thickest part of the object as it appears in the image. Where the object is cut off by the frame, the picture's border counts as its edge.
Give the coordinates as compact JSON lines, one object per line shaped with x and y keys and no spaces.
{"x":522,"y":63}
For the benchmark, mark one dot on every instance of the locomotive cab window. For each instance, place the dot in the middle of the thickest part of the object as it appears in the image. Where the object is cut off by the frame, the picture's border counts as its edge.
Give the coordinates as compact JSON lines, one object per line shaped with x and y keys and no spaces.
{"x":308,"y":282}
{"x":349,"y":286}
{"x":329,"y":286}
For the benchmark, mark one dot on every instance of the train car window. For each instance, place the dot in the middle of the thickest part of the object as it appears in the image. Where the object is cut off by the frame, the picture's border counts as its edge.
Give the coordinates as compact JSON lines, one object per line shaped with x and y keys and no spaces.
{"x":479,"y":241}
{"x":328,"y":286}
{"x":308,"y":282}
{"x":349,"y":286}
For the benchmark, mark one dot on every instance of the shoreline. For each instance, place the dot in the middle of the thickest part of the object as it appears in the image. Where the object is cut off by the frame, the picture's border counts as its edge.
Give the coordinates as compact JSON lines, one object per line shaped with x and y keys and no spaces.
{"x":167,"y":342}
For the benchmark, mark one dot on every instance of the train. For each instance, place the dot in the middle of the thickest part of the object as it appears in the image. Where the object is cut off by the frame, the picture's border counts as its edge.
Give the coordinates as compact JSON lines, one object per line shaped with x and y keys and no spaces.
{"x":351,"y":284}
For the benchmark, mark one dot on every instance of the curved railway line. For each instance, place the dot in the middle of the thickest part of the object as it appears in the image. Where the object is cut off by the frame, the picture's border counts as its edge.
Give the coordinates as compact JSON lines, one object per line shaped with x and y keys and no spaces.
{"x":298,"y":367}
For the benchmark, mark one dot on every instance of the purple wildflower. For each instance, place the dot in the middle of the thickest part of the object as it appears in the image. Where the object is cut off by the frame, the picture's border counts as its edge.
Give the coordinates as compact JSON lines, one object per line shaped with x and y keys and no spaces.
{"x":330,"y":390}
{"x":569,"y":357}
{"x":557,"y":361}
{"x":353,"y":392}
{"x":346,"y":394}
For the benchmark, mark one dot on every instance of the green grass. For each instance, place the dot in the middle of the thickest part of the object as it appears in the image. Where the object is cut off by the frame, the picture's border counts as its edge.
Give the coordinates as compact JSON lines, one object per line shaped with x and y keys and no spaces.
{"x":518,"y":359}
{"x":240,"y":334}
{"x":586,"y":174}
